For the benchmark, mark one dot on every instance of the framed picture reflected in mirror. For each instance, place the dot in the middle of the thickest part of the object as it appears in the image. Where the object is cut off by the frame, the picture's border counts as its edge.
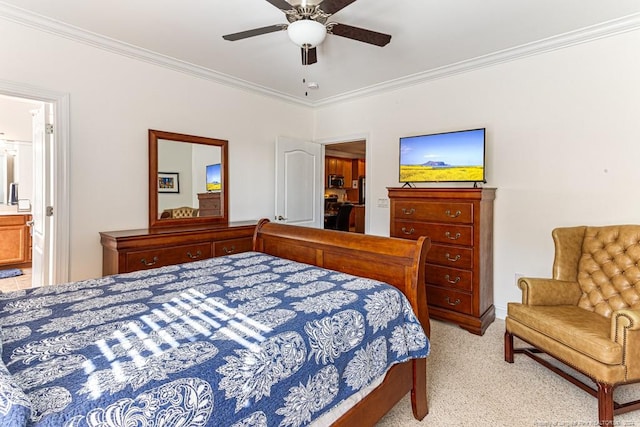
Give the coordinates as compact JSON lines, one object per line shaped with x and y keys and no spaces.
{"x":168,"y":182}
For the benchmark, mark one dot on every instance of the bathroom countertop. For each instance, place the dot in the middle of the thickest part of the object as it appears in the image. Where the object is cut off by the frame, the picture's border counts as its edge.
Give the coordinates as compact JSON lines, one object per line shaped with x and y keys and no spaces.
{"x":11,"y":210}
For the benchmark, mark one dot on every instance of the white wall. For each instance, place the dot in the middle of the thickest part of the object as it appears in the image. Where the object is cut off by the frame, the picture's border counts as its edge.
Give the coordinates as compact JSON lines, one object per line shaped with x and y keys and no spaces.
{"x":15,"y":118}
{"x":563,"y":144}
{"x":176,"y":157}
{"x":114,"y":100}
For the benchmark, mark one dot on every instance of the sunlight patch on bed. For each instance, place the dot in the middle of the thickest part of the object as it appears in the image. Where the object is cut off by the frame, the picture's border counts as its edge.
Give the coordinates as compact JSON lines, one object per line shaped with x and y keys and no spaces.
{"x":185,"y":318}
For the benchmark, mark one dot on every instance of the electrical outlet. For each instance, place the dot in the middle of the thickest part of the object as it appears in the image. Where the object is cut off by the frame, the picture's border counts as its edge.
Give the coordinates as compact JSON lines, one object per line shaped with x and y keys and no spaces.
{"x":383,"y":203}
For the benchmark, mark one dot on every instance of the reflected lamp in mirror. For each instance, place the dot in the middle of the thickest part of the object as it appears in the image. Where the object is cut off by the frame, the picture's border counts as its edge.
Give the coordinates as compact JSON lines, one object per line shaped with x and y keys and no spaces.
{"x":197,"y":183}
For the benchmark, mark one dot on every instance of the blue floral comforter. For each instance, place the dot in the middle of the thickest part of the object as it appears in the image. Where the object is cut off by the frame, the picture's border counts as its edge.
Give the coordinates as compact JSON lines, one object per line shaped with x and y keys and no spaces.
{"x":241,"y":340}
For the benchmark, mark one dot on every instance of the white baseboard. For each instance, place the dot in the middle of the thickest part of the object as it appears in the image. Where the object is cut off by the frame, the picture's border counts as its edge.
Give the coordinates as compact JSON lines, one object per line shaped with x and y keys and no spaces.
{"x":501,"y":312}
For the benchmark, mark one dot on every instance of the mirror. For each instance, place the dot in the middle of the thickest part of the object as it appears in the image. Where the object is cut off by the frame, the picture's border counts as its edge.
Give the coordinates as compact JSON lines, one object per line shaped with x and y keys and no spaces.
{"x":187,"y":180}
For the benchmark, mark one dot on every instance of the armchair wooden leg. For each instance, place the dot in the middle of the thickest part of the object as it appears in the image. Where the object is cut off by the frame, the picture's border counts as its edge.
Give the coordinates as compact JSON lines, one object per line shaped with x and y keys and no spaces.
{"x":605,"y":404}
{"x":508,"y":347}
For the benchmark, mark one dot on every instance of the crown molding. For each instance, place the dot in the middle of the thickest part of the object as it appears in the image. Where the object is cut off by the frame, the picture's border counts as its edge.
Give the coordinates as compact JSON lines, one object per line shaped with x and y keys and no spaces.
{"x":45,"y":24}
{"x":587,"y":34}
{"x":583,"y":35}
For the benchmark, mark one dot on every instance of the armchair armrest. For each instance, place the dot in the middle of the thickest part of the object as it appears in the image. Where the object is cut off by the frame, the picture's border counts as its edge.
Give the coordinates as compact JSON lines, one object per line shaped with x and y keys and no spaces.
{"x":537,"y":291}
{"x":622,"y":320}
{"x":625,"y":330}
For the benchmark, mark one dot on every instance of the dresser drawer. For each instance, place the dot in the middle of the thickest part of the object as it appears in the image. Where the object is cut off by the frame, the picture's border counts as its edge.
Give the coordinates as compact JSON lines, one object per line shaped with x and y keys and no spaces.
{"x":449,"y":277}
{"x":438,"y":233}
{"x":449,"y":299}
{"x":452,"y":256}
{"x":461,"y":213}
{"x":232,"y":246}
{"x":153,"y":258}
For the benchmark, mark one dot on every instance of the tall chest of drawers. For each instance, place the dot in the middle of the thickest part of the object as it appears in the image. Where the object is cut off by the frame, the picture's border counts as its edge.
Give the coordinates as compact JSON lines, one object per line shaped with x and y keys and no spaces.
{"x":459,"y":269}
{"x":209,"y":204}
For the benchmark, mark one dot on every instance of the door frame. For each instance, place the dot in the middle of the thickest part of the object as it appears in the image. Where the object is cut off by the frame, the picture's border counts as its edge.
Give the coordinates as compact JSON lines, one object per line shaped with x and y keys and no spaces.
{"x":353,"y":138}
{"x":60,"y":170}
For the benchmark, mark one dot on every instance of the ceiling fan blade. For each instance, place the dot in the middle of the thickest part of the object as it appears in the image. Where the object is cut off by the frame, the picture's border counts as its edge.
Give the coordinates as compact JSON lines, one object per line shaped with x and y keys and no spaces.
{"x":281,"y":4}
{"x":360,"y":34}
{"x":309,"y":56}
{"x":255,"y":32}
{"x":333,"y":6}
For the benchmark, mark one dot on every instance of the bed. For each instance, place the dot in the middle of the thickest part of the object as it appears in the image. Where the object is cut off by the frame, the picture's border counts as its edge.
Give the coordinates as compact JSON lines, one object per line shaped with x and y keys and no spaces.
{"x":305,"y":329}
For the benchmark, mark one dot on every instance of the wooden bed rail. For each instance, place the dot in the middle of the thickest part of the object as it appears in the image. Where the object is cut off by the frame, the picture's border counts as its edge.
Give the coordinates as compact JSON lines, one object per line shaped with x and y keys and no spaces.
{"x":399,"y":262}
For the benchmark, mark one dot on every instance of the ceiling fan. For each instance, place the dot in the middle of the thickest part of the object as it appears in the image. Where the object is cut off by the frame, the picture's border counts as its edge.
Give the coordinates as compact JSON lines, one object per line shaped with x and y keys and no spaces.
{"x":308,"y":26}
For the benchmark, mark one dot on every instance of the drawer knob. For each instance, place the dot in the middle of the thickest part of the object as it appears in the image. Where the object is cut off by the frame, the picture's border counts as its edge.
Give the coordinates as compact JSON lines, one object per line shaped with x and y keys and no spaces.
{"x":408,"y":211}
{"x":456,"y":302}
{"x":448,"y":279}
{"x":229,"y":250}
{"x":455,"y":215}
{"x":410,"y":231}
{"x":448,"y":236}
{"x":154,"y":261}
{"x":197,"y":255}
{"x":449,"y":258}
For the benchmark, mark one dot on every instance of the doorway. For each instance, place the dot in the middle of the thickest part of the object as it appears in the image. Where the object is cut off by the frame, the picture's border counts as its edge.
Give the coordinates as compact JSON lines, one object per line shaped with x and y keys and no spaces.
{"x":52,"y":260}
{"x":345,"y":185}
{"x":16,"y":191}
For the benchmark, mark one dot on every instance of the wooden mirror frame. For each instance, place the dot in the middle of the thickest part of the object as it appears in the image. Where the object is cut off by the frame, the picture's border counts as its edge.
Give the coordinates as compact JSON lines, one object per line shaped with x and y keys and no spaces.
{"x":154,"y":220}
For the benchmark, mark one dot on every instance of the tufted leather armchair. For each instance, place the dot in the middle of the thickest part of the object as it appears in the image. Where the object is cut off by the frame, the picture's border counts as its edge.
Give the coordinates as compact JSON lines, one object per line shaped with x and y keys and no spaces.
{"x":182,"y":212}
{"x":588,"y":315}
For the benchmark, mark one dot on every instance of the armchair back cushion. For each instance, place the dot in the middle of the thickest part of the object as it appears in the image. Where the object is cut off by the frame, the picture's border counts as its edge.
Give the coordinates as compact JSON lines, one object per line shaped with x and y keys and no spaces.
{"x":604,"y":261}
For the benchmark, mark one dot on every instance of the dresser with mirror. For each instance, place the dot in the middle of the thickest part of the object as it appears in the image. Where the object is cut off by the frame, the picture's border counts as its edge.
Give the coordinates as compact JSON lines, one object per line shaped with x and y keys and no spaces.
{"x":188,"y":208}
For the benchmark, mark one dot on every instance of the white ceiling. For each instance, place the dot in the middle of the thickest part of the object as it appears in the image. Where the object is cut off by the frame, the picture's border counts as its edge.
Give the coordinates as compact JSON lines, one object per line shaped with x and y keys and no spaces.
{"x":430,"y":38}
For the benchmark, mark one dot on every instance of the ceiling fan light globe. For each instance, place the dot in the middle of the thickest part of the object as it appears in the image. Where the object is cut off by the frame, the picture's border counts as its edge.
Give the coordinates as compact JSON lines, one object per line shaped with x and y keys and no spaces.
{"x":306,"y":32}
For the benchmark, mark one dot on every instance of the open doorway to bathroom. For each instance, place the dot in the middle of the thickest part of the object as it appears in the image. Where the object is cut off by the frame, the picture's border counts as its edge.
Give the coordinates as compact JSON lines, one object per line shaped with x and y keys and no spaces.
{"x":29,"y":167}
{"x":16,"y":191}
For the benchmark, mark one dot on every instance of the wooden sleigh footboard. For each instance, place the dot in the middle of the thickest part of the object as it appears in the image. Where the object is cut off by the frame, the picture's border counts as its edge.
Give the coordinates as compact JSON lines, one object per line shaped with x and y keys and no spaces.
{"x":397,"y":262}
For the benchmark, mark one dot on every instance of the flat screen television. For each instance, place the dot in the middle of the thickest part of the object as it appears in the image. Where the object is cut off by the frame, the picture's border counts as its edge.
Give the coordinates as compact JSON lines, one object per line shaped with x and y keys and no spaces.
{"x":214,"y":183}
{"x":443,"y":157}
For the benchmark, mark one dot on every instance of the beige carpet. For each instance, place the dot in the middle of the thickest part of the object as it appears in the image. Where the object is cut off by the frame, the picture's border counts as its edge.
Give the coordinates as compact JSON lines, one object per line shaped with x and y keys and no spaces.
{"x":470,"y":384}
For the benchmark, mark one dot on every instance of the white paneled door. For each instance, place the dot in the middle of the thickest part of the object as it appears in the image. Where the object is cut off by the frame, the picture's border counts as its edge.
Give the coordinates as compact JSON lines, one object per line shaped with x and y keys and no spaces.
{"x":299,"y":182}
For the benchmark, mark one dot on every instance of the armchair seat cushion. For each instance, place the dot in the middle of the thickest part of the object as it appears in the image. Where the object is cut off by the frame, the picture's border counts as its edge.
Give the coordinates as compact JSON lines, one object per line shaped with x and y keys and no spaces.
{"x":582,"y":330}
